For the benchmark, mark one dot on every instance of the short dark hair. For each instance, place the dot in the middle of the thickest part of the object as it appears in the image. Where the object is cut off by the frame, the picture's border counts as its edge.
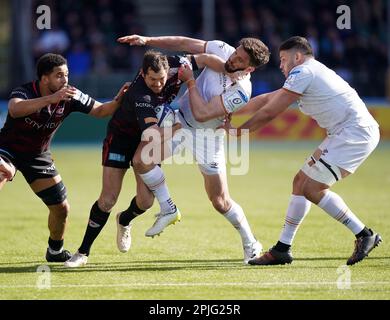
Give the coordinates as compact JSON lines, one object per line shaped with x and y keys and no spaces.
{"x":48,"y":62}
{"x":298,"y":43}
{"x":154,"y":60}
{"x":258,"y":52}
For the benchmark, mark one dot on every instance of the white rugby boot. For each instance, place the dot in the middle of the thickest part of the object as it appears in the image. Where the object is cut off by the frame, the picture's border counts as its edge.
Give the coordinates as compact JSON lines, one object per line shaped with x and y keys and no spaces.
{"x":123,"y":235}
{"x":163,"y":220}
{"x":77,"y":260}
{"x":252,"y":251}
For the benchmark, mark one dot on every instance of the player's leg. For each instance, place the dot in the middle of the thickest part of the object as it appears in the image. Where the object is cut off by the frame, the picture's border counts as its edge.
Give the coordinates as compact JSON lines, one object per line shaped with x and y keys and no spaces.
{"x":217,"y":190}
{"x":139,"y":204}
{"x":314,"y":181}
{"x":116,"y":155}
{"x":344,"y":153}
{"x":52,"y":192}
{"x":101,"y":209}
{"x":99,"y":214}
{"x":154,"y":178}
{"x":297,"y":210}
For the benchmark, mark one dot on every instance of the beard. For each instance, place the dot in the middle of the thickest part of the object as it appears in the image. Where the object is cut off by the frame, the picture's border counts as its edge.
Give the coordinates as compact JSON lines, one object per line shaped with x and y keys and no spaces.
{"x":230,"y":69}
{"x":53,"y":88}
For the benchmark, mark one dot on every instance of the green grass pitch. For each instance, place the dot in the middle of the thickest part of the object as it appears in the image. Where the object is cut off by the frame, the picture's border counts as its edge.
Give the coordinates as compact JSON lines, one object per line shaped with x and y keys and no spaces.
{"x":200,"y":257}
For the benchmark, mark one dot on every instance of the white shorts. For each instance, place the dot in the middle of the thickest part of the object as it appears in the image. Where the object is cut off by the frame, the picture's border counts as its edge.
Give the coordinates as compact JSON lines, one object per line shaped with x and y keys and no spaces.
{"x":348,"y":148}
{"x":206,"y":146}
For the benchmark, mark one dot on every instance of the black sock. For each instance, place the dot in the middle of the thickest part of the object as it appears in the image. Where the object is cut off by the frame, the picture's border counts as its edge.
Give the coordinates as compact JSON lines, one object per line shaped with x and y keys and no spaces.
{"x":55,"y":245}
{"x":130,"y":213}
{"x":364,"y":233}
{"x":282,"y":247}
{"x":97,"y":220}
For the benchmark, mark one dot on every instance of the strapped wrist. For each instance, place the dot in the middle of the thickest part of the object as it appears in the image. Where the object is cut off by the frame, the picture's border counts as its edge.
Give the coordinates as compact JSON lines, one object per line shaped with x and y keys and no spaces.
{"x":191,"y":83}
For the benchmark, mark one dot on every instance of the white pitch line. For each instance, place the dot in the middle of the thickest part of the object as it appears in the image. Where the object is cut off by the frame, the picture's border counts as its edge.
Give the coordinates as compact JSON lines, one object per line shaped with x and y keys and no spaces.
{"x":200,"y":284}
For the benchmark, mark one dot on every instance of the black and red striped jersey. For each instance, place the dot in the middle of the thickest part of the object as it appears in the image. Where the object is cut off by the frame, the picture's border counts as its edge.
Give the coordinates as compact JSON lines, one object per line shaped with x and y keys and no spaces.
{"x":139,"y":103}
{"x":33,"y":133}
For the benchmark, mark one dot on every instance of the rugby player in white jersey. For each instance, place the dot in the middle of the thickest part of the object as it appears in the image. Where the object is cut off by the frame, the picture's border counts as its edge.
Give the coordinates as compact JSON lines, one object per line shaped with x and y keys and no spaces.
{"x":352,"y":135}
{"x":220,"y":96}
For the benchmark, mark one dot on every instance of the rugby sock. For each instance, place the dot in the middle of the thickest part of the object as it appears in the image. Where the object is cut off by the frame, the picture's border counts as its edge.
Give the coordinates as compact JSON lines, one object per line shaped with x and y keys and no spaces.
{"x":236,"y":217}
{"x":364,"y":233}
{"x":130,"y":213}
{"x":282,"y":247}
{"x":97,"y":220}
{"x":155,"y":181}
{"x":335,"y":206}
{"x":55,"y":246}
{"x":297,"y":209}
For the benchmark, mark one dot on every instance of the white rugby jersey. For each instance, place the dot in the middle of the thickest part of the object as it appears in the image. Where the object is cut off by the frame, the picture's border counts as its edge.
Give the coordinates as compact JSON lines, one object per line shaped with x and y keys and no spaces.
{"x":211,"y":84}
{"x":327,"y":98}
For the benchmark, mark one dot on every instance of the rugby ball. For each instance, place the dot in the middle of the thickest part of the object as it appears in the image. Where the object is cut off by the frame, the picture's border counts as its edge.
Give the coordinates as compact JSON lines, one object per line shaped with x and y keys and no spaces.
{"x":165,"y":116}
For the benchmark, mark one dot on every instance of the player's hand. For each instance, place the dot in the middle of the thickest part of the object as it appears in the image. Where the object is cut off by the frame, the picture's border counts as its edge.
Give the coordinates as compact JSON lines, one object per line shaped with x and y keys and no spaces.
{"x":6,"y":171}
{"x":185,"y":73}
{"x":133,"y":40}
{"x":227,"y":126}
{"x":122,"y":91}
{"x":66,"y":94}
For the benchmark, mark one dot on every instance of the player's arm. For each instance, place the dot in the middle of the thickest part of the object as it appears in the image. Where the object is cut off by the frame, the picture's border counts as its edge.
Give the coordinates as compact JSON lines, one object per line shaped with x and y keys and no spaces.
{"x":258,"y":102}
{"x":21,"y":107}
{"x":173,"y":43}
{"x":210,"y":60}
{"x":280,"y":101}
{"x":201,"y":110}
{"x":100,"y":110}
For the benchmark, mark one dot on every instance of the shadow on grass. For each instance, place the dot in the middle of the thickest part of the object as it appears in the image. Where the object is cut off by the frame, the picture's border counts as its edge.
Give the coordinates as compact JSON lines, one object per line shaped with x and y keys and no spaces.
{"x":167,"y":265}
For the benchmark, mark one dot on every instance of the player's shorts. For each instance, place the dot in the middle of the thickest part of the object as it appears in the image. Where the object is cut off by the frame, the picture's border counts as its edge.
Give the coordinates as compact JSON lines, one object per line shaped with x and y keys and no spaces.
{"x":40,"y":166}
{"x":206,"y":145}
{"x":119,"y":150}
{"x":348,"y":148}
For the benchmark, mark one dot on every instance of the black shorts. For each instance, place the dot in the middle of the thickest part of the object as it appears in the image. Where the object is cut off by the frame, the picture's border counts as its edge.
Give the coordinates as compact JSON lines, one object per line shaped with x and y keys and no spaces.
{"x":119,"y":150}
{"x":33,"y":167}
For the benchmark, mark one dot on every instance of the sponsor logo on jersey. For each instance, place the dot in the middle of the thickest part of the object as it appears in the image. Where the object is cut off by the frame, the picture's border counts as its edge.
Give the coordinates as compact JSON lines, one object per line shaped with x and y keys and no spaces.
{"x":143,"y":105}
{"x":243,"y":96}
{"x":147,"y":98}
{"x":60,"y":111}
{"x":16,"y":92}
{"x":237,"y":100}
{"x":36,"y":125}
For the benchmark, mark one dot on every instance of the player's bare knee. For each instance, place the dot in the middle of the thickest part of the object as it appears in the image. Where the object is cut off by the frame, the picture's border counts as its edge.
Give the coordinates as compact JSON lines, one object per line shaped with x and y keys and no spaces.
{"x":138,"y":164}
{"x":221,"y":204}
{"x":61,"y":210}
{"x":107,"y":202}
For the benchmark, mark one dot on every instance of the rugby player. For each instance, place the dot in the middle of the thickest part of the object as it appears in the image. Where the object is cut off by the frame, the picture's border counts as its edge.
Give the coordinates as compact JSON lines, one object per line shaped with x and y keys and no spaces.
{"x":156,"y":84}
{"x":35,"y":112}
{"x":221,"y":95}
{"x":352,"y":135}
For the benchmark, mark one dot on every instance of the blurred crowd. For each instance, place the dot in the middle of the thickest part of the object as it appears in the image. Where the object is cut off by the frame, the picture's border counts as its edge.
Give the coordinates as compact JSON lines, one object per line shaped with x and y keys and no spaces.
{"x":358,"y":54}
{"x":85,"y":32}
